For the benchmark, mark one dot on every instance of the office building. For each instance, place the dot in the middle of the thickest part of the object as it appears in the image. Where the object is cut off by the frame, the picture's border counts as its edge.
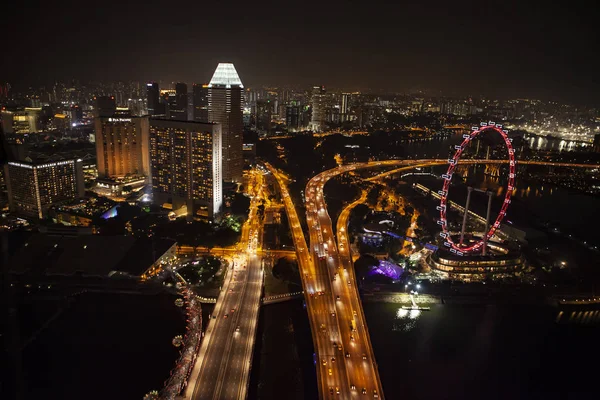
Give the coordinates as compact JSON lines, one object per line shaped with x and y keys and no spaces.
{"x":34,"y":187}
{"x":317,"y":102}
{"x":105,"y":106}
{"x":344,"y":106}
{"x":20,"y":120}
{"x":186,"y":166}
{"x":122,"y":146}
{"x":225,"y":106}
{"x":200,"y":100}
{"x":178,"y":106}
{"x":170,"y":100}
{"x":153,"y":101}
{"x":137,"y":107}
{"x":293,"y":118}
{"x":263,"y":115}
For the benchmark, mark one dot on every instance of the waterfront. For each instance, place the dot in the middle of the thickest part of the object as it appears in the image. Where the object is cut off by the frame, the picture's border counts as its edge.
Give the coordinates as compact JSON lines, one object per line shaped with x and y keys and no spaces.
{"x":477,"y":351}
{"x":543,"y":203}
{"x":551,"y":214}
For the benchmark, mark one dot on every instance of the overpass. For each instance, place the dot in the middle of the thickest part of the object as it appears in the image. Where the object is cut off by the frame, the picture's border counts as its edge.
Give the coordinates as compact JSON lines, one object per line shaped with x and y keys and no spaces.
{"x":317,"y":275}
{"x":330,"y":375}
{"x":434,"y":162}
{"x":357,"y":354}
{"x":227,"y":251}
{"x":280,"y":298}
{"x":346,"y":263}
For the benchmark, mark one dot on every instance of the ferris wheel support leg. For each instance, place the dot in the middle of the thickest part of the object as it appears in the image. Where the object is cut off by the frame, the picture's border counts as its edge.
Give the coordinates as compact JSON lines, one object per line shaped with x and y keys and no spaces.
{"x":487,"y":223}
{"x":464,"y":222}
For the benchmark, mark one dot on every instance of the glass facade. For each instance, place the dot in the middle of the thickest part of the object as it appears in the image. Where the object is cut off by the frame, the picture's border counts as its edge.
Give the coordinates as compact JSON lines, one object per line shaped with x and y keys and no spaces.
{"x":509,"y":263}
{"x":225,"y":106}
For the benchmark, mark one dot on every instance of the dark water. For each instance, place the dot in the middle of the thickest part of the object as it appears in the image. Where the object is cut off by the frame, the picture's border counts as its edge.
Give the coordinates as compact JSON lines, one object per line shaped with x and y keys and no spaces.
{"x":493,"y":352}
{"x":573,"y":212}
{"x":551,"y":144}
{"x":570,"y":210}
{"x":482,"y":352}
{"x":105,"y":346}
{"x":283,"y":366}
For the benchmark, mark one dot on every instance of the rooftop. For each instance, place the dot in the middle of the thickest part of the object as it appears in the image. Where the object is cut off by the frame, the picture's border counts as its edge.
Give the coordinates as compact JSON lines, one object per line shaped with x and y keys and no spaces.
{"x":225,"y":75}
{"x":91,"y":255}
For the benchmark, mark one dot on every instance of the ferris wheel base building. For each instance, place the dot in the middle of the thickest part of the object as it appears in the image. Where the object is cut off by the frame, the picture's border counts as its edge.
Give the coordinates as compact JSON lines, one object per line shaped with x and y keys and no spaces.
{"x":500,"y":261}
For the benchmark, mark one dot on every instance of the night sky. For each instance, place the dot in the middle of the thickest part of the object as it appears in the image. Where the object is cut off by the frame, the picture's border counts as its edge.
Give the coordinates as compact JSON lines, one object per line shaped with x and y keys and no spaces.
{"x":494,"y":48}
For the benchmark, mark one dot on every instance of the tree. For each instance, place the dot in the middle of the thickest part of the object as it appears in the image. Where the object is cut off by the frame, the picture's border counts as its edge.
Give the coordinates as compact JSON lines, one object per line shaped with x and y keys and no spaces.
{"x":240,"y":205}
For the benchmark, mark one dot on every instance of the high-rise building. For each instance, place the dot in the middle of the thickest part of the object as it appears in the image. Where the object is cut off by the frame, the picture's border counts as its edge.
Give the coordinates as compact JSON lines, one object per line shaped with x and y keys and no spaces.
{"x":137,"y":107}
{"x":264,"y":110}
{"x":293,"y":118}
{"x":20,"y":120}
{"x":34,"y":187}
{"x":105,"y":106}
{"x":317,"y":102}
{"x":178,"y":110}
{"x":200,"y":100}
{"x":170,"y":100}
{"x":225,"y":106}
{"x":153,"y":102}
{"x":122,"y":146}
{"x":344,"y":107}
{"x":186,"y":166}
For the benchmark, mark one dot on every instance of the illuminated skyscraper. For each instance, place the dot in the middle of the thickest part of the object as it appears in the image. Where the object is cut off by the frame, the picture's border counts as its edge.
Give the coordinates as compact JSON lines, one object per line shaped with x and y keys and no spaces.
{"x":263,"y":115}
{"x":293,"y":118}
{"x":186,"y":166}
{"x":122,"y":146}
{"x":225,"y":106}
{"x":178,"y":110}
{"x":344,"y":107}
{"x":200,"y":100}
{"x":317,"y":102}
{"x":34,"y":187}
{"x":153,"y":103}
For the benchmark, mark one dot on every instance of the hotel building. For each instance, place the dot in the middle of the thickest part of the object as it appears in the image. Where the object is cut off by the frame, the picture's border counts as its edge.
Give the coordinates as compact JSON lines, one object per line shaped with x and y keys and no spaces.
{"x":122,"y":146}
{"x":186,"y":166}
{"x":34,"y":187}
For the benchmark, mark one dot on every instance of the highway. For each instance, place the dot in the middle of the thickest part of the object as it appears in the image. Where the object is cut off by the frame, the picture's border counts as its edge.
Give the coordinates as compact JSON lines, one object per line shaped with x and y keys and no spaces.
{"x":330,"y":317}
{"x":358,"y":356}
{"x":225,"y":356}
{"x":346,"y":265}
{"x":434,"y":162}
{"x":331,"y":375}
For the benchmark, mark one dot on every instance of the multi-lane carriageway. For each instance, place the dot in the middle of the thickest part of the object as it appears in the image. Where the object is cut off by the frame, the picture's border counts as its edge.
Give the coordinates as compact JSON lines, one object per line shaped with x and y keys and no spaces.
{"x":332,"y":297}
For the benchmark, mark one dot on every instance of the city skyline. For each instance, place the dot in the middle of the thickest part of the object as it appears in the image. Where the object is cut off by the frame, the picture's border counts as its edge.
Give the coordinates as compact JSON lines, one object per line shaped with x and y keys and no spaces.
{"x":278,"y":200}
{"x":410,"y":47}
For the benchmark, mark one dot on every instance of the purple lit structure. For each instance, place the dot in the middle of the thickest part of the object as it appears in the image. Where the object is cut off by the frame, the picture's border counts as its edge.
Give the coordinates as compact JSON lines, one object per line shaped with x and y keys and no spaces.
{"x":388,"y":269}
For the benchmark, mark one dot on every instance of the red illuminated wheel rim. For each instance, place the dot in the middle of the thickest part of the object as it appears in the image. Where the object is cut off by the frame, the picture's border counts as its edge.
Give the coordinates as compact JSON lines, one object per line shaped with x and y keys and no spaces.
{"x":455,"y":248}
